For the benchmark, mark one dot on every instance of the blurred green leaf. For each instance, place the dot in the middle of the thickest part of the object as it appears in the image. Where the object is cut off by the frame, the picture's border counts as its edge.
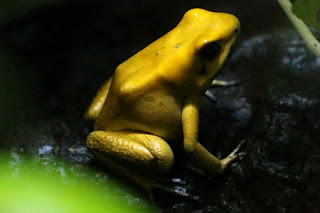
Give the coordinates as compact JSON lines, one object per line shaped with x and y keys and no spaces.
{"x":307,"y":11}
{"x":27,"y":188}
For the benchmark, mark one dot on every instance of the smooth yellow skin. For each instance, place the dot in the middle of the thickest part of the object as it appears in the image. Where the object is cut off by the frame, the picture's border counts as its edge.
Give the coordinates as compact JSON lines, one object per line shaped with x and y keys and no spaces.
{"x":153,"y":98}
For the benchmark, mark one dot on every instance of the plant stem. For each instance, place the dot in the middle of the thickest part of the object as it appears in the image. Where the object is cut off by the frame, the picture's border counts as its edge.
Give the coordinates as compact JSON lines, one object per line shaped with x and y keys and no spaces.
{"x":311,"y":42}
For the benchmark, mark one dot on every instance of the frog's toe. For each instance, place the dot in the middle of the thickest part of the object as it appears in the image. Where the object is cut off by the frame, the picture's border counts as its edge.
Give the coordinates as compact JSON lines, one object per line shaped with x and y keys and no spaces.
{"x":241,"y":155}
{"x":238,"y":156}
{"x":176,"y":191}
{"x":236,"y":150}
{"x":233,"y":156}
{"x":210,"y":96}
{"x":217,"y":82}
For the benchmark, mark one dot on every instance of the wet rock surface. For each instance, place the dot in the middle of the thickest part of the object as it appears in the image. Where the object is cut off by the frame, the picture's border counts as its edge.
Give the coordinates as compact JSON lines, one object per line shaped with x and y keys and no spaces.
{"x":279,"y":118}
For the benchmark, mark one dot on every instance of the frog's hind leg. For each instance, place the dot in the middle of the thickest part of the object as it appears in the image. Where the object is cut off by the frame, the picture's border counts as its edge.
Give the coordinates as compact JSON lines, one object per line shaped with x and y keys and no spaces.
{"x":135,"y":149}
{"x":124,"y":150}
{"x":144,"y":181}
{"x":98,"y":101}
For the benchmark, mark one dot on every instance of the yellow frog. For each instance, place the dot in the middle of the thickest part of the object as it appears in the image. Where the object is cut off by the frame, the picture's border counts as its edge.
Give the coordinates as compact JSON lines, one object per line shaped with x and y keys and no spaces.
{"x":153,"y":98}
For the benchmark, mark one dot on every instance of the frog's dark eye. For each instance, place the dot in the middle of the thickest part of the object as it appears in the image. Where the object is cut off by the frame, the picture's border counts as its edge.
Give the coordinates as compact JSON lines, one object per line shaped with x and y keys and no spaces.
{"x":210,"y":51}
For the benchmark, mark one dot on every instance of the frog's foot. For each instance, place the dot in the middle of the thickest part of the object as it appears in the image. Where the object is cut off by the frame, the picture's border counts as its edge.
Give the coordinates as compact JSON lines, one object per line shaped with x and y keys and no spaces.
{"x":217,"y":82}
{"x":126,"y":151}
{"x":147,"y":183}
{"x":232,"y":156}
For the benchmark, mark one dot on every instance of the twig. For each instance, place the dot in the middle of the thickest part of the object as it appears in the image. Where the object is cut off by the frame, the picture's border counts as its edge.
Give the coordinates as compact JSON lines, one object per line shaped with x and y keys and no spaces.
{"x":311,"y":42}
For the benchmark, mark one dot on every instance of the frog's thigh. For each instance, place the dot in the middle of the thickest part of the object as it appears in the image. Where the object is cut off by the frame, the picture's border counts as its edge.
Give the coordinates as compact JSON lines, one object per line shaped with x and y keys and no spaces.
{"x":135,"y":149}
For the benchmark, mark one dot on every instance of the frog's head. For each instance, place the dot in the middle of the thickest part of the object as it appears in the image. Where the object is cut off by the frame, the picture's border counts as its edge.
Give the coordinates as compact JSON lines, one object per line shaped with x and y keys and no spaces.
{"x":213,"y":45}
{"x":212,"y":51}
{"x":208,"y":37}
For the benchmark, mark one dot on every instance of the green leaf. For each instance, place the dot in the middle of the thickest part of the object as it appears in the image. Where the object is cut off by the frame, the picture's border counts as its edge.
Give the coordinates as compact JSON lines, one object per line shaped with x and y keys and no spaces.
{"x":32,"y":185}
{"x":307,"y":11}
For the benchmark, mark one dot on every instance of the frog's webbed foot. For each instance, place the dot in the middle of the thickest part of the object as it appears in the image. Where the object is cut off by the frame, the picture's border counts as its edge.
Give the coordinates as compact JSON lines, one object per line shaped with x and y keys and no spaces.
{"x":127,"y":151}
{"x":146,"y":182}
{"x":206,"y":163}
{"x":235,"y":154}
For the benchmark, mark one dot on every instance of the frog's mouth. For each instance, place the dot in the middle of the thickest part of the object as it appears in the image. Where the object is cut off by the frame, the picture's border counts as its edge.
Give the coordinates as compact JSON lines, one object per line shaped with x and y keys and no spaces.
{"x":226,"y":62}
{"x":231,"y":52}
{"x":233,"y":47}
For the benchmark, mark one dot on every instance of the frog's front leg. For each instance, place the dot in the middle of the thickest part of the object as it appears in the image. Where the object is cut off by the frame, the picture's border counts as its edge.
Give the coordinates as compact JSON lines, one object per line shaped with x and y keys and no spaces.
{"x":198,"y":154}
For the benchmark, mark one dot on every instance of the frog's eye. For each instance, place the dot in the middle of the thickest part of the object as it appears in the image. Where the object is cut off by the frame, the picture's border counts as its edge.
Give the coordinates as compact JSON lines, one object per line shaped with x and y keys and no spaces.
{"x":210,"y":51}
